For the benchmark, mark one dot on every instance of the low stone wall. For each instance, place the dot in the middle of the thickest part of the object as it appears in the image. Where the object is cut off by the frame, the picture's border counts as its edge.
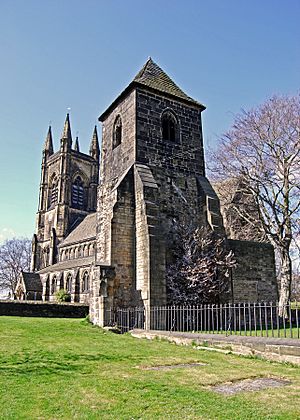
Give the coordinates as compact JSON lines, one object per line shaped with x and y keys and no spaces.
{"x":43,"y":309}
{"x":275,"y":349}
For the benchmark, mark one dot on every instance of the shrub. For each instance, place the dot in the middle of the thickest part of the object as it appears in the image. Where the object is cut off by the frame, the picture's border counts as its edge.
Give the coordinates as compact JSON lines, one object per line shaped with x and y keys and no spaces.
{"x":62,"y":296}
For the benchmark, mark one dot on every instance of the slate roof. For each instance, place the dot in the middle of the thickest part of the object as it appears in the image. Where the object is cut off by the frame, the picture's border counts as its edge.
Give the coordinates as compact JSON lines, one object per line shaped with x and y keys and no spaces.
{"x":32,"y":282}
{"x":153,"y":77}
{"x":86,"y":230}
{"x":68,"y":264}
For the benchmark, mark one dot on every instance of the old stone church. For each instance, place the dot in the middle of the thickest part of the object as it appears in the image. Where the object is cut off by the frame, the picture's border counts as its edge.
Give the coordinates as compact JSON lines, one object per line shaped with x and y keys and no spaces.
{"x":107,"y":241}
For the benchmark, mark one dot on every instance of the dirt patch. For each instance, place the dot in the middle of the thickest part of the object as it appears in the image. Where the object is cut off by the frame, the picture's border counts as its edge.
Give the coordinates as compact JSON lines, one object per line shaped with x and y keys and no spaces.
{"x":247,"y":385}
{"x":167,"y":367}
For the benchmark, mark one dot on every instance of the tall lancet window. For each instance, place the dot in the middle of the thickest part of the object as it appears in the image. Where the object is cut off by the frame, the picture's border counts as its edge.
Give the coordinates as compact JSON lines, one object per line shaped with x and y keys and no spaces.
{"x":169,"y":126}
{"x":78,"y":193}
{"x":53,"y":192}
{"x":69,"y":283}
{"x":117,"y":132}
{"x":85,"y":282}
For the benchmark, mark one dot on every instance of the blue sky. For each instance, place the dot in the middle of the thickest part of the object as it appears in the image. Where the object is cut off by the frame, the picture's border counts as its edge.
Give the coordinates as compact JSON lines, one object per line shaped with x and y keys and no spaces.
{"x":63,"y":54}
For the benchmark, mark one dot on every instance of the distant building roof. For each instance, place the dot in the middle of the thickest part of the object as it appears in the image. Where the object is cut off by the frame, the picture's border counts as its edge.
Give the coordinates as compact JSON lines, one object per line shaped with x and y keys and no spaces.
{"x":85,"y":231}
{"x":68,"y":264}
{"x":32,"y":282}
{"x":153,"y":77}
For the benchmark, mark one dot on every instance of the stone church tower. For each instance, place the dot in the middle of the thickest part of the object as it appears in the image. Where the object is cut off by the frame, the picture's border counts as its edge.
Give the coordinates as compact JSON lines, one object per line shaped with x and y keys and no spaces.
{"x":68,"y":191}
{"x":152,"y":175}
{"x":108,"y":241}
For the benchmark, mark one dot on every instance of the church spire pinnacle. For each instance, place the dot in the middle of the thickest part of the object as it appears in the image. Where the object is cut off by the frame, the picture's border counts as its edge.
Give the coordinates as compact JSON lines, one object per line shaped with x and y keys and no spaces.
{"x":76,"y":146}
{"x":66,"y":137}
{"x":48,"y":147}
{"x":94,"y":147}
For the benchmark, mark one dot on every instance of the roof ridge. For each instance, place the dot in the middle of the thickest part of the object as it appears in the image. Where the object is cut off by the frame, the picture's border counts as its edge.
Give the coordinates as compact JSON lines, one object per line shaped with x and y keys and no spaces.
{"x":153,"y":76}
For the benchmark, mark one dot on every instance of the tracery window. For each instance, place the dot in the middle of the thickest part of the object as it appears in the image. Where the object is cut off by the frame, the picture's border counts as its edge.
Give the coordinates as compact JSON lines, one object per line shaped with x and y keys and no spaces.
{"x":117,"y":132}
{"x":78,"y":193}
{"x":169,"y":126}
{"x":85,"y":282}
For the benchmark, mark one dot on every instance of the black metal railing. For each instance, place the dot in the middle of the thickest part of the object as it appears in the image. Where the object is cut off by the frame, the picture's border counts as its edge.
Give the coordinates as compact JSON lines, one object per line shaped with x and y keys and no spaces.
{"x":252,"y":319}
{"x":125,"y":319}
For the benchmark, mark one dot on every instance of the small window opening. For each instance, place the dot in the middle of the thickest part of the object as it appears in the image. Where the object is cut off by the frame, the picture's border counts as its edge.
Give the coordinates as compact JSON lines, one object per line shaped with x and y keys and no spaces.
{"x":53,"y":285}
{"x":69,"y":283}
{"x":85,"y":282}
{"x":117,"y":133}
{"x":169,"y":126}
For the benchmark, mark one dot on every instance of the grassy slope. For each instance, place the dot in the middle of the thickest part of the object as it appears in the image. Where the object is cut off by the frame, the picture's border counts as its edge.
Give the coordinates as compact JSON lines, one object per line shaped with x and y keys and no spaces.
{"x":63,"y":369}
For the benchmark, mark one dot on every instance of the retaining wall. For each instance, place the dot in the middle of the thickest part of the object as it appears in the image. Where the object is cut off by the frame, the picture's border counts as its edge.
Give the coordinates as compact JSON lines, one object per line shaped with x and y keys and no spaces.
{"x":276,"y":349}
{"x":43,"y":309}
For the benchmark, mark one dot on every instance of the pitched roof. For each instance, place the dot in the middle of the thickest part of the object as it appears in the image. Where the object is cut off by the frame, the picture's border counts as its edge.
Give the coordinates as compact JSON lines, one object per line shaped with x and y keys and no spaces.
{"x":68,"y":264}
{"x":153,"y":77}
{"x":32,"y":282}
{"x":84,"y":231}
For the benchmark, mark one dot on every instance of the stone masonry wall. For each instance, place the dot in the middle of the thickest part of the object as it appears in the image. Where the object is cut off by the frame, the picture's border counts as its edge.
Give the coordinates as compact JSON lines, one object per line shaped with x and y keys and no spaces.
{"x":43,"y":309}
{"x":150,"y":242}
{"x":114,"y":165}
{"x":254,"y":278}
{"x":182,"y":157}
{"x":123,"y":244}
{"x":175,"y":165}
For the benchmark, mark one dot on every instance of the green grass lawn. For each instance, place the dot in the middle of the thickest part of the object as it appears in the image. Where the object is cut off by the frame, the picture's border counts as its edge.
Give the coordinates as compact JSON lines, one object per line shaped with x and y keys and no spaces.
{"x":67,"y":369}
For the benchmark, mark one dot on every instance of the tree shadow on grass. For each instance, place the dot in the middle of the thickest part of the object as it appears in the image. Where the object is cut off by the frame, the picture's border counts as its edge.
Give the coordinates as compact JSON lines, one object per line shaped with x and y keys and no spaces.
{"x":44,"y":363}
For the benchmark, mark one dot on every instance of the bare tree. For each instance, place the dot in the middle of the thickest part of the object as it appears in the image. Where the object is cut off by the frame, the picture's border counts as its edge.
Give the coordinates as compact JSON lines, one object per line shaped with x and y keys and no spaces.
{"x":262,"y":150}
{"x":14,"y":257}
{"x":201,"y":267}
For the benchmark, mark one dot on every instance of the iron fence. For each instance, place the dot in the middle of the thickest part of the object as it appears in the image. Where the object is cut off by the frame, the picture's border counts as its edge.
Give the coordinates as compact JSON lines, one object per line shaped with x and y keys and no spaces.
{"x":253,"y":319}
{"x":125,"y":319}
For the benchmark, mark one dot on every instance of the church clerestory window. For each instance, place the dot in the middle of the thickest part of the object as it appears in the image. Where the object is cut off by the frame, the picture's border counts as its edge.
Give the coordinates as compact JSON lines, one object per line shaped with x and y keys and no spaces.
{"x":169,"y":126}
{"x":78,"y":193}
{"x":117,"y":132}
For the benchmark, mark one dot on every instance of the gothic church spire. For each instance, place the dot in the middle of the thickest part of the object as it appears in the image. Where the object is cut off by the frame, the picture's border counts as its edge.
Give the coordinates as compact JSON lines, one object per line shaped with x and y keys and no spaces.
{"x":66,"y":137}
{"x":48,"y":147}
{"x":76,"y":146}
{"x":94,"y":147}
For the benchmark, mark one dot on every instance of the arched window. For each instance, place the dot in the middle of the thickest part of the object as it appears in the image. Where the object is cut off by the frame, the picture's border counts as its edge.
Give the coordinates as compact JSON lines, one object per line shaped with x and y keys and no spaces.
{"x":169,"y":126}
{"x":85,"y":282}
{"x":117,"y":132}
{"x":79,"y":252}
{"x":53,"y":192}
{"x":71,"y":253}
{"x":53,"y":285}
{"x":85,"y":251}
{"x":69,"y":283}
{"x":77,"y":193}
{"x":91,"y":249}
